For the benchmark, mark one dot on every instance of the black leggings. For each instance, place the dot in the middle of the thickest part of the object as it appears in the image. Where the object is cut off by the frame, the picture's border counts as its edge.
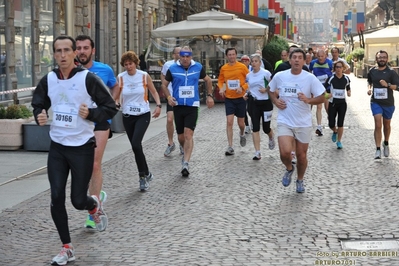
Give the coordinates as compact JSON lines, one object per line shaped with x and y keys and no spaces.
{"x":333,"y":110}
{"x":136,"y":126}
{"x":62,"y":159}
{"x":257,"y":113}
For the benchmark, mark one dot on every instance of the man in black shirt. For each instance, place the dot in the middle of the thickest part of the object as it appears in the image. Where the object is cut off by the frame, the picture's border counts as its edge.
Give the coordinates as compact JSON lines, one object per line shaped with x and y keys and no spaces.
{"x":286,"y":65}
{"x":382,"y":81}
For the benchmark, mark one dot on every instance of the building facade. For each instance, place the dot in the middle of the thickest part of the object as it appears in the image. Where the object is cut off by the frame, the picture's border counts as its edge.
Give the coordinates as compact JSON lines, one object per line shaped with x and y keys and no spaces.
{"x":28,"y":27}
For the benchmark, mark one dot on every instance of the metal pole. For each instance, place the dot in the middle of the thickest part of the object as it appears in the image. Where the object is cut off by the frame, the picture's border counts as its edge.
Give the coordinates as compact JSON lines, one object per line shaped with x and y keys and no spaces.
{"x":119,"y":33}
{"x":69,"y":21}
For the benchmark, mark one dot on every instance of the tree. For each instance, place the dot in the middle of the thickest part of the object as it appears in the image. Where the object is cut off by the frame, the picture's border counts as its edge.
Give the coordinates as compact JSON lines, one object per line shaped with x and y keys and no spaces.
{"x":272,"y":51}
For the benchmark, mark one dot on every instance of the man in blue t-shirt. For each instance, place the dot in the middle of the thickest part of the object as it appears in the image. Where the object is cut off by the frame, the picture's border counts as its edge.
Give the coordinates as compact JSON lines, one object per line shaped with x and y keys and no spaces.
{"x":322,"y":69}
{"x":85,"y":52}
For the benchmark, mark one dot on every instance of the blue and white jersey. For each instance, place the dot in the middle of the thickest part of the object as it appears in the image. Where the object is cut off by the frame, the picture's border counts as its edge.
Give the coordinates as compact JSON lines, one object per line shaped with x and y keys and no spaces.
{"x":185,"y":83}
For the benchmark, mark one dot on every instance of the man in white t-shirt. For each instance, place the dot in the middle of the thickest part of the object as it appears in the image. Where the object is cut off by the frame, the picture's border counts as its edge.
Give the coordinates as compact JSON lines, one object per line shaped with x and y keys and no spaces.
{"x":169,"y":109}
{"x":294,"y":119}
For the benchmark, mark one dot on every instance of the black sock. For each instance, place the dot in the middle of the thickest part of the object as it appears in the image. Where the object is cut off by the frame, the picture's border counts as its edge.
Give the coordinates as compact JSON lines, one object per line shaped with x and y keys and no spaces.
{"x":378,"y":148}
{"x":385,"y":143}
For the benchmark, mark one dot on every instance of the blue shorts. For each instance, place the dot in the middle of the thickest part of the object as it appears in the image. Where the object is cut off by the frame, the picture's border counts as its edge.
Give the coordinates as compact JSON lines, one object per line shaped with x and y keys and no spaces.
{"x":237,"y":107}
{"x":386,"y":111}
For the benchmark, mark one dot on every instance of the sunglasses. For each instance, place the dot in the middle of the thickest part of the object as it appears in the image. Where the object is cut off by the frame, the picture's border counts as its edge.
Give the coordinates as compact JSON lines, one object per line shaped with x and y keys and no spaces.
{"x":244,"y":59}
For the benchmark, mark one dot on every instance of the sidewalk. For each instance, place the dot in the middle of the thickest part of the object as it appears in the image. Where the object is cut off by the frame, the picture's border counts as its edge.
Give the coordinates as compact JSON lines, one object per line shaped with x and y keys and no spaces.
{"x":231,"y":210}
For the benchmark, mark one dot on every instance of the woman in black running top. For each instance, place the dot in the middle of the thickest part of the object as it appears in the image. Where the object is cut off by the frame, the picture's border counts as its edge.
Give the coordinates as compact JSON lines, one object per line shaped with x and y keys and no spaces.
{"x":336,"y":86}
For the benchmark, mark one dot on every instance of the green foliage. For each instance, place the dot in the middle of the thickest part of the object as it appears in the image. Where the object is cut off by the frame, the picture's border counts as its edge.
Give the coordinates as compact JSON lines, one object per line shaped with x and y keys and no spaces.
{"x":349,"y":58}
{"x":46,"y":61}
{"x":15,"y":112}
{"x":358,"y":54}
{"x":271,"y":51}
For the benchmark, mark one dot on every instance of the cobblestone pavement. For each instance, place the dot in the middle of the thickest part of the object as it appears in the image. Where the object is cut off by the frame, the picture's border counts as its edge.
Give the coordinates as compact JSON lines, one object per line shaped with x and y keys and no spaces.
{"x":231,"y":210}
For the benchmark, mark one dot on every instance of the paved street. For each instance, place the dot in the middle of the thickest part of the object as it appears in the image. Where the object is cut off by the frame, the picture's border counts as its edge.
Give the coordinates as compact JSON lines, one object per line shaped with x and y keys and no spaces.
{"x":231,"y":210}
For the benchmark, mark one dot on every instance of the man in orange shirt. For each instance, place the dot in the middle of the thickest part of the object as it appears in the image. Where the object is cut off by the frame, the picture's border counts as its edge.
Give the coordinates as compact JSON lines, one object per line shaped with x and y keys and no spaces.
{"x":233,"y":75}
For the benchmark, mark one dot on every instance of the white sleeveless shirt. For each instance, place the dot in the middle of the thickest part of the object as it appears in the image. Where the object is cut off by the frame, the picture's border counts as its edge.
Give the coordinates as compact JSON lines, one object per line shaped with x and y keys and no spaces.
{"x":134,"y":93}
{"x":66,"y":95}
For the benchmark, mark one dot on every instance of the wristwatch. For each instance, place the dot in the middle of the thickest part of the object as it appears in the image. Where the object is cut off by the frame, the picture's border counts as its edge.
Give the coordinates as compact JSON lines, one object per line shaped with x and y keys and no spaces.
{"x":209,"y":95}
{"x":389,"y":85}
{"x":159,"y":105}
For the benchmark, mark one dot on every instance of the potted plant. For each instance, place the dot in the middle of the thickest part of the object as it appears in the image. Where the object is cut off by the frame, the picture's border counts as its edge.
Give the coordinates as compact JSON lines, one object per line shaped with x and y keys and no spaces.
{"x":11,"y":131}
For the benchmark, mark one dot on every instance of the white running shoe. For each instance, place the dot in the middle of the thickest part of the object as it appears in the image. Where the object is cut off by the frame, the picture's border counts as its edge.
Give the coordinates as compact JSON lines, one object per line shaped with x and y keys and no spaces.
{"x":66,"y":255}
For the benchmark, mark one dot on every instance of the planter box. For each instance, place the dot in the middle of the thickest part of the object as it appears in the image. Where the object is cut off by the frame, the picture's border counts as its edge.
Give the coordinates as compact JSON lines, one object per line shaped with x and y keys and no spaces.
{"x":36,"y":138}
{"x":11,"y":133}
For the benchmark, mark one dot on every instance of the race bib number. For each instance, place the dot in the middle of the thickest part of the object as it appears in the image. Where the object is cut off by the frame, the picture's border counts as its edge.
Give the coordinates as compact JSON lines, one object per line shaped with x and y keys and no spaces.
{"x":65,"y":116}
{"x":289,"y":91}
{"x":233,"y":84}
{"x":380,"y":93}
{"x":267,"y":116}
{"x":322,"y":78}
{"x":339,"y":94}
{"x":186,"y":92}
{"x":133,"y":110}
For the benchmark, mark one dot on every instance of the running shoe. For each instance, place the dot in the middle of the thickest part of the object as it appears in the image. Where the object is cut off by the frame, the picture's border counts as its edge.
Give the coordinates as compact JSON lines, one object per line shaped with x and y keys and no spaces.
{"x":334,"y":137}
{"x":247,"y":129}
{"x":319,"y":131}
{"x":272,"y":143}
{"x":386,"y":150}
{"x":229,"y":151}
{"x":339,"y":145}
{"x":181,"y":150}
{"x":287,"y":177}
{"x":300,"y":188}
{"x":184,"y":170}
{"x":99,"y":216}
{"x":377,"y":154}
{"x":169,"y":150}
{"x":257,"y":156}
{"x":243,"y":141}
{"x":149,"y":177}
{"x":89,"y":220}
{"x":66,"y":255}
{"x":144,"y":185}
{"x":293,"y":157}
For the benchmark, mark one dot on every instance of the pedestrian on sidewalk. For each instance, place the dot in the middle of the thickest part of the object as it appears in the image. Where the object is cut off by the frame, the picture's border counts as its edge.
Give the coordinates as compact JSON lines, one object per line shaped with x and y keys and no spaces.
{"x":136,"y":111}
{"x":78,"y":98}
{"x":295,"y":88}
{"x":185,"y":99}
{"x":261,"y":105}
{"x":336,"y":87}
{"x":382,"y":81}
{"x":102,"y":131}
{"x":170,"y":127}
{"x":233,"y":74}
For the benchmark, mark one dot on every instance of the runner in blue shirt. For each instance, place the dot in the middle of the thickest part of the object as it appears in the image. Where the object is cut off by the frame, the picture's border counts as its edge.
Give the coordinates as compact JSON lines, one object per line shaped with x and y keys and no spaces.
{"x":322,"y":69}
{"x":102,"y":131}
